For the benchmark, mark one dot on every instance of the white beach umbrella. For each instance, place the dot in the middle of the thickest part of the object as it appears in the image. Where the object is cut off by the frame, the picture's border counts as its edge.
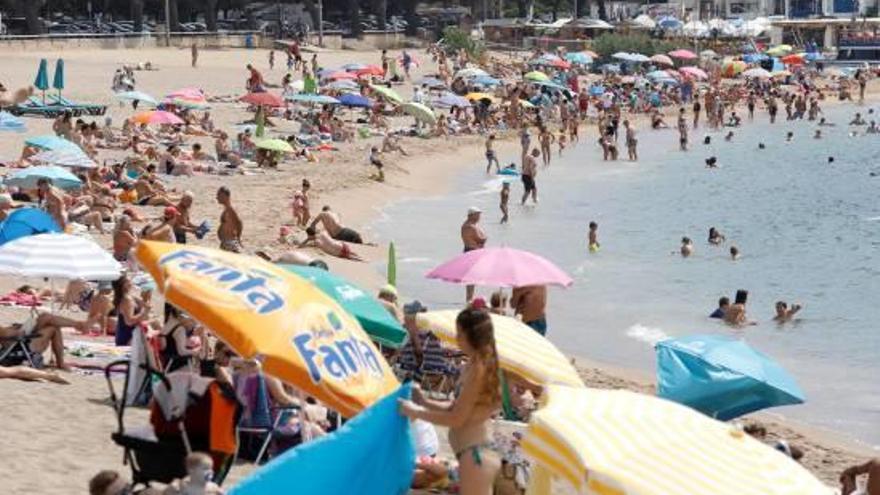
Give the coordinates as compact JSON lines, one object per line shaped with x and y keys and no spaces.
{"x":60,"y":256}
{"x":73,"y":157}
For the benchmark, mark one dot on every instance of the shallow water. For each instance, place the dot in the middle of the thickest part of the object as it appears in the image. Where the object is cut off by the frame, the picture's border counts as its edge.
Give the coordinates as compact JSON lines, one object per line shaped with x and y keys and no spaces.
{"x":808,"y":231}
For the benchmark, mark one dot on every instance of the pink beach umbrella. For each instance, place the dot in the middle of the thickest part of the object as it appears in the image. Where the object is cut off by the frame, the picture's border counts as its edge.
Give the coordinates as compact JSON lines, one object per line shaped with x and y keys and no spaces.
{"x":694,"y":72}
{"x":187,"y":94}
{"x":662,"y":60}
{"x":500,"y":267}
{"x":156,"y":117}
{"x":683,"y":54}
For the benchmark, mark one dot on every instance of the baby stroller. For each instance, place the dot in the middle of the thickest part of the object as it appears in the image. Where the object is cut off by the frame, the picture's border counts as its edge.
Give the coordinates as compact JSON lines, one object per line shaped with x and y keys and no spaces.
{"x":187,"y":413}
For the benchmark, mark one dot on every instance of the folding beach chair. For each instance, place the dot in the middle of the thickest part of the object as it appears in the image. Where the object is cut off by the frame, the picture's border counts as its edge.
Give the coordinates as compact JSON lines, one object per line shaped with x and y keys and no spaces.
{"x":260,"y":423}
{"x":17,"y":350}
{"x":438,"y":372}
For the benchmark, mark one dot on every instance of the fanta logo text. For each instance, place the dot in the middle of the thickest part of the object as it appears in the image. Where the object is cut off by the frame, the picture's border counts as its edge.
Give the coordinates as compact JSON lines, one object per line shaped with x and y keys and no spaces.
{"x":249,"y":285}
{"x":340,"y":358}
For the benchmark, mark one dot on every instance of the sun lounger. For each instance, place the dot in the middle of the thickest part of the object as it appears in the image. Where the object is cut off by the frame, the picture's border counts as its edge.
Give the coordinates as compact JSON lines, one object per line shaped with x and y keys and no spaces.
{"x":35,"y":106}
{"x":17,"y":350}
{"x":84,"y":108}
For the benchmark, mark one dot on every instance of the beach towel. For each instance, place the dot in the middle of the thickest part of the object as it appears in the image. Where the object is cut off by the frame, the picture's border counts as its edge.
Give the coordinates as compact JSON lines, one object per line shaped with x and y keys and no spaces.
{"x":21,"y":299}
{"x":373,"y":454}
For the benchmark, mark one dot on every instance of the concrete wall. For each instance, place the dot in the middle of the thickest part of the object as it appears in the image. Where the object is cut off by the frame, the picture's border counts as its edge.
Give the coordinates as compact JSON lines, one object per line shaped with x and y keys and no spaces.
{"x":370,"y":40}
{"x":111,"y":42}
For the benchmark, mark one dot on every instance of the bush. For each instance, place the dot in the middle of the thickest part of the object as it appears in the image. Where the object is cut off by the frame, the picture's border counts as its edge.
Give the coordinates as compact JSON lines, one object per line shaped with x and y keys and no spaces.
{"x":609,"y":44}
{"x":455,"y":39}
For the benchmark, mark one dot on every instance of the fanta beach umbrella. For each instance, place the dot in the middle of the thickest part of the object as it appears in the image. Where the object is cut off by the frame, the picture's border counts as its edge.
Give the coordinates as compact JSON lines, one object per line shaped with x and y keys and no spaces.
{"x":373,"y":317}
{"x":521,"y":350}
{"x":262,"y":311}
{"x":625,"y":443}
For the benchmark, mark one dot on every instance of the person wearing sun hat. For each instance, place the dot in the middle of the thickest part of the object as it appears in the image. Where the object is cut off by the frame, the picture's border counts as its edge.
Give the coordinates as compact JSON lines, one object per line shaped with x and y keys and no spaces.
{"x":164,"y":230}
{"x":473,"y":237}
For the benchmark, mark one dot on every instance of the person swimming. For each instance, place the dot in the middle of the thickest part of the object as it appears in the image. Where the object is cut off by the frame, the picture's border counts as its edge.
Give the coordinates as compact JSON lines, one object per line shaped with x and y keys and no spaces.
{"x":818,"y":134}
{"x":707,"y":140}
{"x":715,"y":237}
{"x":825,"y":123}
{"x":830,"y":159}
{"x":734,"y":253}
{"x":687,"y":247}
{"x":789,"y":137}
{"x":711,"y":162}
{"x":784,"y":313}
{"x":761,"y":146}
{"x":729,"y":136}
{"x":593,"y":238}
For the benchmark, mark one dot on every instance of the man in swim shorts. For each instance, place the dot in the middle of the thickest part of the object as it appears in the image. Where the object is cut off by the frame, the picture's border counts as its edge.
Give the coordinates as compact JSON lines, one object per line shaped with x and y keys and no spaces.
{"x":529,"y":171}
{"x":330,"y":220}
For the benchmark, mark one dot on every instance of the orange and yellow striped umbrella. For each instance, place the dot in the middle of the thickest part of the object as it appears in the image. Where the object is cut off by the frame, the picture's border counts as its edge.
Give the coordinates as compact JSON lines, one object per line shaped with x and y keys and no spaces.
{"x":263,"y":311}
{"x":616,"y":442}
{"x":521,"y":350}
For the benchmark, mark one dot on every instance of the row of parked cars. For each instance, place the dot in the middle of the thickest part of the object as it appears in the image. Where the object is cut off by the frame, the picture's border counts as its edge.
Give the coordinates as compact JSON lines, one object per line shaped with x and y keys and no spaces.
{"x":124,"y":27}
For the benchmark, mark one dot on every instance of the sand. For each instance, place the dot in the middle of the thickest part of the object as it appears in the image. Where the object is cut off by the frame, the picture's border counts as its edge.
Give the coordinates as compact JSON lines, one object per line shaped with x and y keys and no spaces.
{"x":56,"y":437}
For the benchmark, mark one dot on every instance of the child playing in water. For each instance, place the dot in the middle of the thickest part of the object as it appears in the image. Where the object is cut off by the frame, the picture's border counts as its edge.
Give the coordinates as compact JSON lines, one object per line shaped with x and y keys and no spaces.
{"x":562,"y":140}
{"x":593,"y":237}
{"x":505,"y":197}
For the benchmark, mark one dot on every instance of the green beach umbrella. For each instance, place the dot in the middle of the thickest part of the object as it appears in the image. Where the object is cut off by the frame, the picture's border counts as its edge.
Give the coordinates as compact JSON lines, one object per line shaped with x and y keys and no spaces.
{"x":58,"y":80}
{"x":387,"y":93}
{"x":373,"y":317}
{"x":392,"y":265}
{"x":42,"y":80}
{"x":279,"y":145}
{"x":260,"y":119}
{"x":536,"y":75}
{"x":420,"y":112}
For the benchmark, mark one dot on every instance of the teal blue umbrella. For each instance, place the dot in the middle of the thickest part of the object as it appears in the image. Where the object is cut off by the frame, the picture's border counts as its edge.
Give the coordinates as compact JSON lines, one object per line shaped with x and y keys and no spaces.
{"x":58,"y":81}
{"x":722,"y":377}
{"x":42,"y":80}
{"x":373,"y":317}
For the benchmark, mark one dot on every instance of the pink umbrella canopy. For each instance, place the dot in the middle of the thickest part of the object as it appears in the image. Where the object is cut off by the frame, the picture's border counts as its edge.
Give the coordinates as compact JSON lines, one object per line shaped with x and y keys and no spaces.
{"x":694,"y":72}
{"x":156,"y":117}
{"x":683,"y":54}
{"x":500,"y":267}
{"x":662,"y":60}
{"x":265,"y":98}
{"x":187,"y":94}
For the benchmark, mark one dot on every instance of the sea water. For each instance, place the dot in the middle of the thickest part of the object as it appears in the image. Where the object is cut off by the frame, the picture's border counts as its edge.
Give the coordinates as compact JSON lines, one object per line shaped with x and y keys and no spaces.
{"x":808,"y":232}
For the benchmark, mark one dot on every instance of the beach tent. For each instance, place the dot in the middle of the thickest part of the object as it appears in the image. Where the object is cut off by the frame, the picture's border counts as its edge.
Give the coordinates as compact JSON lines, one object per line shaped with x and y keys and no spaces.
{"x":626,"y":443}
{"x":302,"y":336}
{"x":722,"y":377}
{"x":373,"y":317}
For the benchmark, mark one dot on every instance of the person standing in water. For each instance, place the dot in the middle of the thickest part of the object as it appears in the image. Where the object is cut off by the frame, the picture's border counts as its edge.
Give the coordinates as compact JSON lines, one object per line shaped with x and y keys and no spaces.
{"x":593,"y":238}
{"x":682,"y":131}
{"x":529,"y":171}
{"x":491,"y":157}
{"x":469,"y":415}
{"x":631,"y":141}
{"x":505,"y":198}
{"x":697,"y":107}
{"x":546,"y":138}
{"x":473,"y":237}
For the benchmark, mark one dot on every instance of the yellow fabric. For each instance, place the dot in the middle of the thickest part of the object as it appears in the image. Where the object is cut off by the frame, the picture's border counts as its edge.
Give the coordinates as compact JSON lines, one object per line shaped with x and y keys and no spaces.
{"x":521,"y":350}
{"x":540,"y":482}
{"x":129,"y":196}
{"x":615,"y":442}
{"x":261,"y":310}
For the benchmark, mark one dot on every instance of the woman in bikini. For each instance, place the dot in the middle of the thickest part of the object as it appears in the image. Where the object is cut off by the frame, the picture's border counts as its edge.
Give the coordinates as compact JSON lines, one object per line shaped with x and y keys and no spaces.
{"x":469,"y":416}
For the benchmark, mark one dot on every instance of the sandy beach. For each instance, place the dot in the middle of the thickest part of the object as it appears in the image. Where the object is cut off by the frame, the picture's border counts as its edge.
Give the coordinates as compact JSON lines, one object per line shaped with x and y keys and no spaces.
{"x":57,"y":437}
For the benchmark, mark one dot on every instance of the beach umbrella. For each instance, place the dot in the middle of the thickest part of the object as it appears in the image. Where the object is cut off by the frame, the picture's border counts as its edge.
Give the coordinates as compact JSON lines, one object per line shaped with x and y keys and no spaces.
{"x":419,"y":112}
{"x":262,"y":311}
{"x":590,"y":53}
{"x":278,"y":145}
{"x":263,"y":99}
{"x":156,"y":117}
{"x":25,"y":222}
{"x":670,"y":23}
{"x":500,"y":267}
{"x":431,"y":82}
{"x":485,"y":81}
{"x":793,"y":59}
{"x":187,"y":94}
{"x":579,"y":58}
{"x":343,"y":85}
{"x":683,"y":54}
{"x":732,"y":68}
{"x":370,"y":70}
{"x":757,"y":73}
{"x":662,"y":60}
{"x":657,"y":74}
{"x":645,"y":21}
{"x":339,"y":75}
{"x":615,"y":68}
{"x":50,"y":142}
{"x":136,"y":96}
{"x":369,"y":312}
{"x":776,"y":51}
{"x":387,"y":93}
{"x":58,"y":80}
{"x":626,"y":443}
{"x":185,"y":103}
{"x":708,"y":54}
{"x":597,"y":90}
{"x":694,"y":72}
{"x":58,"y":256}
{"x":42,"y":80}
{"x":722,"y":377}
{"x":27,"y":178}
{"x":449,"y":100}
{"x":480,"y":96}
{"x":65,"y":157}
{"x":353,"y":66}
{"x":11,"y":123}
{"x":355,"y":100}
{"x":536,"y":75}
{"x":754,"y":57}
{"x":470,"y":72}
{"x":639,"y":58}
{"x":814,"y":56}
{"x":623,"y":56}
{"x":313,"y":98}
{"x":521,"y":350}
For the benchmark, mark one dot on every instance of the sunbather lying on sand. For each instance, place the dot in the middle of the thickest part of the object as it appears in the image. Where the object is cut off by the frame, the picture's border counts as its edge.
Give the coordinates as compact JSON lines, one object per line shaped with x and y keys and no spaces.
{"x":46,"y":330}
{"x":329,"y":245}
{"x":29,"y":374}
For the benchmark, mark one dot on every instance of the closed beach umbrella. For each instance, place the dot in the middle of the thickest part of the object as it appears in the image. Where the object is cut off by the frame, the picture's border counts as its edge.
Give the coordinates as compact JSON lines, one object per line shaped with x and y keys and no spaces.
{"x":500,"y":267}
{"x":58,"y":80}
{"x":618,"y":442}
{"x":42,"y":80}
{"x":279,"y":145}
{"x":263,"y":99}
{"x":536,"y":75}
{"x":262,"y":311}
{"x":694,"y":72}
{"x":50,"y":142}
{"x":372,"y":315}
{"x":355,"y":101}
{"x":65,"y":157}
{"x":136,"y":96}
{"x":11,"y":123}
{"x":683,"y":54}
{"x":27,"y":178}
{"x":25,"y":222}
{"x":722,"y":377}
{"x":662,"y":60}
{"x":420,"y":112}
{"x":387,"y":93}
{"x":757,"y":72}
{"x":156,"y":117}
{"x":521,"y":350}
{"x":55,"y":255}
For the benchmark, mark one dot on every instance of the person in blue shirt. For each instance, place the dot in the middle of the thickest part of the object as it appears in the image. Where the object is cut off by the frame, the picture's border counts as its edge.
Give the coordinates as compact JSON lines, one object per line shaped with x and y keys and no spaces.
{"x":723,"y":304}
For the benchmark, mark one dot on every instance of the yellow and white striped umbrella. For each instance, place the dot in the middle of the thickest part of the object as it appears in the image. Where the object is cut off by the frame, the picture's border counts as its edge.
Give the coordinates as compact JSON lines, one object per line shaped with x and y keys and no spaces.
{"x":521,"y":350}
{"x":616,"y":442}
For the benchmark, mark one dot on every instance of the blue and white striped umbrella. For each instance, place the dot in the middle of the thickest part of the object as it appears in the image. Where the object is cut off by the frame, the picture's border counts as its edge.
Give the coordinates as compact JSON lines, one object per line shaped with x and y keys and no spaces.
{"x":312,"y":98}
{"x":59,"y":256}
